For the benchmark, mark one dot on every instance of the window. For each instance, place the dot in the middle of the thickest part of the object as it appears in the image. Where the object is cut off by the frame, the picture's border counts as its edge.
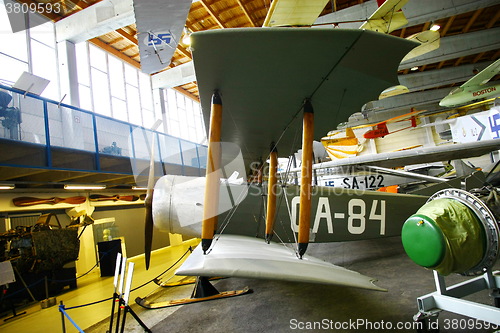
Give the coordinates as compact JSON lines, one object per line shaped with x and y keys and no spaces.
{"x":119,"y":90}
{"x":184,"y":118}
{"x":100,"y":92}
{"x":15,"y":59}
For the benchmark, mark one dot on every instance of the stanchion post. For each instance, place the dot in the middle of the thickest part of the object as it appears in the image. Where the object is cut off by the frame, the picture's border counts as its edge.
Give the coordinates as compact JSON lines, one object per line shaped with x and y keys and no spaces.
{"x":61,"y":306}
{"x":119,"y":292}
{"x":115,"y":295}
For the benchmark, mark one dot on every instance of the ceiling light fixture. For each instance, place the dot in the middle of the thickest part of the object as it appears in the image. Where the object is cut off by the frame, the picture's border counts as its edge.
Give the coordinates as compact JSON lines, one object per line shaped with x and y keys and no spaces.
{"x":84,"y":187}
{"x":139,"y":188}
{"x":7,"y":186}
{"x":435,"y":27}
{"x":414,"y":68}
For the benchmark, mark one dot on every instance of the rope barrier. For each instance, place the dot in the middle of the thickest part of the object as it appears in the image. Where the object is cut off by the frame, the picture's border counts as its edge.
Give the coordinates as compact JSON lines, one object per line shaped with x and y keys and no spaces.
{"x":62,"y":310}
{"x":142,"y":285}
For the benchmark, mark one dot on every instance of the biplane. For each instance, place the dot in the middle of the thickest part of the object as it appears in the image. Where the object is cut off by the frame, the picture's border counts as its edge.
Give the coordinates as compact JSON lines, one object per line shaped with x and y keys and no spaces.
{"x":256,"y":110}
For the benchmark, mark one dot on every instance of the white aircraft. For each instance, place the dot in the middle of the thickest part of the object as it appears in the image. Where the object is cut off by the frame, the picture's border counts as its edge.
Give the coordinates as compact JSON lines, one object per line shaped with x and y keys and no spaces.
{"x":160,"y":25}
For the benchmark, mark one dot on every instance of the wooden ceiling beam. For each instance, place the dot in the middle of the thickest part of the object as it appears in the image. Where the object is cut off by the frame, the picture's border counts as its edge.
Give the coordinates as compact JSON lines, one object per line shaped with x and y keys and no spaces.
{"x":440,"y":65}
{"x":472,"y":20}
{"x":115,"y":40}
{"x":458,"y":61}
{"x":493,"y":20}
{"x":496,"y":55}
{"x":187,"y":93}
{"x":478,"y":57}
{"x":212,"y":13}
{"x":128,"y":36}
{"x":247,"y":14}
{"x":402,"y":33}
{"x":99,"y":43}
{"x":447,"y":26}
{"x":128,"y":47}
{"x":80,"y":4}
{"x":184,"y":51}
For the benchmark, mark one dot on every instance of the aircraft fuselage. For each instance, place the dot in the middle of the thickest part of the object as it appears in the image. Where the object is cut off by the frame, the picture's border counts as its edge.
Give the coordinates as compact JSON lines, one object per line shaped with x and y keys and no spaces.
{"x":337,"y":214}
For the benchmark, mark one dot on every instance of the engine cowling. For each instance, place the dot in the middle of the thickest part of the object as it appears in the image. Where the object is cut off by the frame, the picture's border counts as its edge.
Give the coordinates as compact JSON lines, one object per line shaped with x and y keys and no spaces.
{"x":454,"y":232}
{"x":178,"y":202}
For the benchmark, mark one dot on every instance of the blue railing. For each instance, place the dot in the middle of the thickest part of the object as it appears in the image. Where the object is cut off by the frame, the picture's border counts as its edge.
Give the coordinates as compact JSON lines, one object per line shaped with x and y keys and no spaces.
{"x":37,"y":132}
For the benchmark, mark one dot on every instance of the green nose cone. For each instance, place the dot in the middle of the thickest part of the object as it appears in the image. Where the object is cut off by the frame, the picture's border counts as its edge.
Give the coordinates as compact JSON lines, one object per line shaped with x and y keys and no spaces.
{"x":423,"y":241}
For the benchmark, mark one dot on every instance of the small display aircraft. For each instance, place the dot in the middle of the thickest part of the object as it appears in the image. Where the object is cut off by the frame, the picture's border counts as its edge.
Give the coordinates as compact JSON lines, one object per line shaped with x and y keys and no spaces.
{"x":344,"y":143}
{"x":160,"y":25}
{"x":477,"y":87}
{"x":381,"y":129}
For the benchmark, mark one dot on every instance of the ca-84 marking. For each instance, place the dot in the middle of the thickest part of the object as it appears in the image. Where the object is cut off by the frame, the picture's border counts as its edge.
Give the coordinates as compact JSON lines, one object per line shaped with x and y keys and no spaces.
{"x":358,"y":214}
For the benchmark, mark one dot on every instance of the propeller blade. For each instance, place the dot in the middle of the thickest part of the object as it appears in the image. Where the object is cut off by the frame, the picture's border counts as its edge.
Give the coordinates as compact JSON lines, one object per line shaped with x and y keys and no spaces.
{"x":148,"y":202}
{"x":29,"y":201}
{"x":148,"y":230}
{"x":99,"y":197}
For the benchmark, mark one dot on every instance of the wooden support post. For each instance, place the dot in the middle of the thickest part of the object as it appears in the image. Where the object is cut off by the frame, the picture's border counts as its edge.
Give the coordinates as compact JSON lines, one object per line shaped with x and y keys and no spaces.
{"x":211,"y":201}
{"x":306,"y":178}
{"x":272,"y":189}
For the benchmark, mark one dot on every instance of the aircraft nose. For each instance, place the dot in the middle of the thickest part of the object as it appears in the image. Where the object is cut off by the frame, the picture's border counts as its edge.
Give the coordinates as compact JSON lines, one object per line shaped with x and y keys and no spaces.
{"x":444,"y":235}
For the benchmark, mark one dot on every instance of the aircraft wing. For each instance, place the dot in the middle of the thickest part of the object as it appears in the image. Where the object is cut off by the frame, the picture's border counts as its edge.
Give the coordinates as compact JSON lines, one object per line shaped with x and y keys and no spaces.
{"x":241,"y":256}
{"x":484,"y":76}
{"x":264,"y":76}
{"x":159,"y":29}
{"x":417,"y":156}
{"x":293,"y":12}
{"x":387,"y":18}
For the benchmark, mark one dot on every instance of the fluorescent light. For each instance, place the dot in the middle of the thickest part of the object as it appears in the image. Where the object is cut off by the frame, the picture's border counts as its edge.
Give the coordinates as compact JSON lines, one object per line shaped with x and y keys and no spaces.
{"x":435,"y":27}
{"x":84,"y":187}
{"x":7,"y":186}
{"x":414,"y":68}
{"x":139,"y":188}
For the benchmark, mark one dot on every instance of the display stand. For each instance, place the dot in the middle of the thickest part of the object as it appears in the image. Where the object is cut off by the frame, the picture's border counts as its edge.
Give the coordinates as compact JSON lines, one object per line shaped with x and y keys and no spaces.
{"x":7,"y":276}
{"x":451,"y":299}
{"x":122,"y":298}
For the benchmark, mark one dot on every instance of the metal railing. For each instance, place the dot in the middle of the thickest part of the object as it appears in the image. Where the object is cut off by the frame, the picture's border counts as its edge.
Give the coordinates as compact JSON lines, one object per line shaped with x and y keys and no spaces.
{"x":51,"y":132}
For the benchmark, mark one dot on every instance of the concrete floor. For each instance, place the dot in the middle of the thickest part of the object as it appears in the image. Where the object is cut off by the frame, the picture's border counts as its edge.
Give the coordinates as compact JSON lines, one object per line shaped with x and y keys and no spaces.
{"x":274,"y":306}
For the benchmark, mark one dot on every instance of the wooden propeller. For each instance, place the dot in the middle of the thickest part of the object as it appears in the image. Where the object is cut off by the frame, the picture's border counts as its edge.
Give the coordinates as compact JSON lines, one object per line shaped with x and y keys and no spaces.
{"x":30,"y":201}
{"x":99,"y":197}
{"x":148,"y":203}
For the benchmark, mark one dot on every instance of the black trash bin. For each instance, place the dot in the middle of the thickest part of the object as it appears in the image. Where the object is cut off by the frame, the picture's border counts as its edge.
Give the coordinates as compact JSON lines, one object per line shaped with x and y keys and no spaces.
{"x":107,"y":256}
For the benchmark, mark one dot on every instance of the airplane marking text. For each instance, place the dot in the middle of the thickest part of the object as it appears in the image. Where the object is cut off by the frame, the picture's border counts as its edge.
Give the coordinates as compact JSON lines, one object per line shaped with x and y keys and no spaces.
{"x":483,"y":91}
{"x":356,"y":215}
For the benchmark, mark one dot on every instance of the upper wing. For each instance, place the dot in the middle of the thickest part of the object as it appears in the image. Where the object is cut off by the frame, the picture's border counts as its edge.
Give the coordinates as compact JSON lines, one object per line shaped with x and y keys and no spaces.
{"x":159,"y":29}
{"x":387,"y":17}
{"x":417,"y":156}
{"x":293,"y":12}
{"x":264,"y":76}
{"x":484,"y":76}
